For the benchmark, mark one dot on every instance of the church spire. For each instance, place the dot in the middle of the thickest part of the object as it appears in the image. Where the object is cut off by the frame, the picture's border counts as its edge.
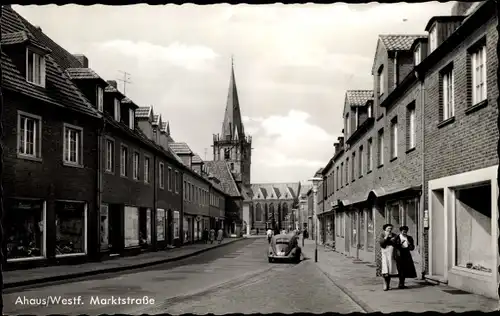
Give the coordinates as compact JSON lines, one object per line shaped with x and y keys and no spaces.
{"x":232,"y":117}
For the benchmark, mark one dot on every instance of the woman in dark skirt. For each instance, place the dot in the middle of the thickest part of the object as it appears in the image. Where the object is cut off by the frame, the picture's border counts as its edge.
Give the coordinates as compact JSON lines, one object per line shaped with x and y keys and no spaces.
{"x":403,"y":245}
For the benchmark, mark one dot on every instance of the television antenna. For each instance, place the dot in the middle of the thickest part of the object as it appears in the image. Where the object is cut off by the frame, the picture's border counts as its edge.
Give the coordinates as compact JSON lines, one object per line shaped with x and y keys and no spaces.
{"x":125,"y":80}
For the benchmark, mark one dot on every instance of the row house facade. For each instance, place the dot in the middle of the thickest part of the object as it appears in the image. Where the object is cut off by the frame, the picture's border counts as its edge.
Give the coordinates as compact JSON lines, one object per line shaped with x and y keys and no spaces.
{"x":420,"y":150}
{"x":89,"y":174}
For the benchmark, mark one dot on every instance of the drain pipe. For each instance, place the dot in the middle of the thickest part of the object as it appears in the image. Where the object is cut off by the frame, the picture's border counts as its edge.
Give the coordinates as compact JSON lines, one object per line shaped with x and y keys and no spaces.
{"x":421,"y":79}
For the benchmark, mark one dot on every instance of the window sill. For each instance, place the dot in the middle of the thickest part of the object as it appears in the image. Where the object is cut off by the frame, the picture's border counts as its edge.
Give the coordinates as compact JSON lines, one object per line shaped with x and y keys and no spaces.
{"x":161,"y":188}
{"x":31,"y":158}
{"x":380,"y":117}
{"x":380,"y":166}
{"x":476,"y":107}
{"x":369,"y":171}
{"x":410,"y":150}
{"x":109,"y":172}
{"x":446,"y":122}
{"x":393,"y":159}
{"x":40,"y":85}
{"x":471,"y":273}
{"x":72,"y":165}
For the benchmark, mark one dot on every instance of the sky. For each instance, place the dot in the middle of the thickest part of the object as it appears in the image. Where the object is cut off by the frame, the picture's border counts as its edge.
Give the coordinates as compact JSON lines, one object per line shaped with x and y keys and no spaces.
{"x":293,"y":65}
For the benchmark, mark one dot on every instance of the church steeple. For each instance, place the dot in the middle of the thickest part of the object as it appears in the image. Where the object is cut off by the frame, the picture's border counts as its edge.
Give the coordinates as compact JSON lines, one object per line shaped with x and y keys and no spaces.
{"x":232,"y":127}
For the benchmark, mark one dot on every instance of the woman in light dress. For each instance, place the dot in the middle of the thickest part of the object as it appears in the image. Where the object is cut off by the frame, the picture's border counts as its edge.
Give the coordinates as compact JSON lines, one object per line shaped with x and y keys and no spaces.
{"x":389,"y":267}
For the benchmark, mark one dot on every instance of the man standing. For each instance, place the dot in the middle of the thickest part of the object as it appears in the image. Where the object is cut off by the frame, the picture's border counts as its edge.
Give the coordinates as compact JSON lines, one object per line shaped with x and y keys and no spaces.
{"x":269,"y":235}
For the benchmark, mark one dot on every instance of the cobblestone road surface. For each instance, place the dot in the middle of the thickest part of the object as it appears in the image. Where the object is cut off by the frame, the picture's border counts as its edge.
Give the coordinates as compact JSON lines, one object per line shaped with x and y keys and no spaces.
{"x":234,"y":278}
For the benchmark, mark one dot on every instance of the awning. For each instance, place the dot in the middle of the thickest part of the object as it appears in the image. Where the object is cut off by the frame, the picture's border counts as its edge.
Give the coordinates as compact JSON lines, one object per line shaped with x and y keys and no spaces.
{"x":382,"y":192}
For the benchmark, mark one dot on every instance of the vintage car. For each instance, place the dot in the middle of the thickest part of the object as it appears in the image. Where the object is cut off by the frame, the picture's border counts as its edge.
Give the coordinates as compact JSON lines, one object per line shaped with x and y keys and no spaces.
{"x":284,"y":247}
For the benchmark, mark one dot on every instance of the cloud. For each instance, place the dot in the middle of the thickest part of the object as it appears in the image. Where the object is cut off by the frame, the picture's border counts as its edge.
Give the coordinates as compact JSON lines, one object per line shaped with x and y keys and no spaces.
{"x":191,"y":57}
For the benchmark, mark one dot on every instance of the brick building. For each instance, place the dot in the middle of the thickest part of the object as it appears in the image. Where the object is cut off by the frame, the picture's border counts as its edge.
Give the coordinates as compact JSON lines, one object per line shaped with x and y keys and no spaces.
{"x":388,"y":168}
{"x":103,"y":179}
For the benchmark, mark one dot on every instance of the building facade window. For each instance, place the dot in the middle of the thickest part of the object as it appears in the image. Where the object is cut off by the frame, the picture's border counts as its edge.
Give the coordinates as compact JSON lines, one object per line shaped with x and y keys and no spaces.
{"x":347,"y":124}
{"x":161,"y":175}
{"x":380,"y":147}
{"x":478,"y":62}
{"x":341,"y":174}
{"x":100,"y":98}
{"x":71,"y":227}
{"x":135,"y":170}
{"x":185,"y":191}
{"x":169,"y":179}
{"x":394,"y":138}
{"x":227,"y":154}
{"x":29,"y":131}
{"x":337,"y":177}
{"x":177,"y":182}
{"x":411,"y":126}
{"x":117,"y":110}
{"x":258,"y":213}
{"x":160,"y":224}
{"x":432,"y":39}
{"x":347,"y":171}
{"x":124,"y":161}
{"x":73,"y":145}
{"x":110,"y":154}
{"x":361,"y":161}
{"x":35,"y":68}
{"x":146,"y":170}
{"x":369,"y":154}
{"x":369,"y":231}
{"x":447,"y":93}
{"x":353,"y":168}
{"x":24,"y":222}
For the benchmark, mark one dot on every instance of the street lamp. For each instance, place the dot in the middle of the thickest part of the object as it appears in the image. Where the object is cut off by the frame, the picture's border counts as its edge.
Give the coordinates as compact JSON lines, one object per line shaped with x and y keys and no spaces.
{"x":315,"y":182}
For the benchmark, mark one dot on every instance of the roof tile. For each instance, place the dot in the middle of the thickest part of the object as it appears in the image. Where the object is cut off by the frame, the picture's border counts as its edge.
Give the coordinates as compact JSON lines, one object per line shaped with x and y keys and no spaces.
{"x":358,"y":97}
{"x":221,"y":171}
{"x":399,"y":42}
{"x":196,"y":159}
{"x":82,"y":73}
{"x":180,"y":148}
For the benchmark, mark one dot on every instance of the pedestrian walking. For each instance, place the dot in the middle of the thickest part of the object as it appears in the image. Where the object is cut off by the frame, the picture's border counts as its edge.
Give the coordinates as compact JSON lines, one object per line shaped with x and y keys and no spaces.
{"x":269,"y":235}
{"x":212,"y":235}
{"x":220,"y":235}
{"x":389,"y":267}
{"x":205,"y":235}
{"x":305,"y":235}
{"x":403,"y":245}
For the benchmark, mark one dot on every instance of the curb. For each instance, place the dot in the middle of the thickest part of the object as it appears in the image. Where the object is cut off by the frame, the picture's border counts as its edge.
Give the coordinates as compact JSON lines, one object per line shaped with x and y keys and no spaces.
{"x":58,"y":278}
{"x":346,"y":291}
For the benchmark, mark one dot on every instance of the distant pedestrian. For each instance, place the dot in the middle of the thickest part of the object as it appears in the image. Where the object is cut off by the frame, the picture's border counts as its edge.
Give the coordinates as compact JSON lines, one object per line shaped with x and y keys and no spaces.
{"x":212,"y":235}
{"x":305,"y":235}
{"x":403,"y":245}
{"x":220,"y":234}
{"x":205,"y":235}
{"x":389,"y":267}
{"x":269,"y":235}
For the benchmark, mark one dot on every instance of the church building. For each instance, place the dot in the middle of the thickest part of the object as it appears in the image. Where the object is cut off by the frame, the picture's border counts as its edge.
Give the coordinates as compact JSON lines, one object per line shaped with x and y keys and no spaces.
{"x":254,"y":207}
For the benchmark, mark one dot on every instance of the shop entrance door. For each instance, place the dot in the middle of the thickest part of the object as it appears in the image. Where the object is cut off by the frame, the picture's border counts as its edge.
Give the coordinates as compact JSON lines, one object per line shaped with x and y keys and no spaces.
{"x":115,"y":229}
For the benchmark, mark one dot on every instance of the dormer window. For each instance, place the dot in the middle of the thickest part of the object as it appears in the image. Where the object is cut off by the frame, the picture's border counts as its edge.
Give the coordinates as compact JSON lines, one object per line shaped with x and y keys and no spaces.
{"x":417,"y":54}
{"x":100,"y":98}
{"x":131,"y":118}
{"x":347,"y":124}
{"x":356,"y":124}
{"x":370,"y":109}
{"x":432,"y":39}
{"x":381,"y":79}
{"x":117,"y":114}
{"x":35,"y":68}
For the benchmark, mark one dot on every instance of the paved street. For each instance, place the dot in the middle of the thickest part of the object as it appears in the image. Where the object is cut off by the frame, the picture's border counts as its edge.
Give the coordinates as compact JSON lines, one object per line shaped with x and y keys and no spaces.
{"x":233,"y":278}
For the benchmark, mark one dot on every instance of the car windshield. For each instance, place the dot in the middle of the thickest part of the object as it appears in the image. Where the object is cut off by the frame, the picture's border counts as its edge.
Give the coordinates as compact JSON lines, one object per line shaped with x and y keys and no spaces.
{"x":282,"y":241}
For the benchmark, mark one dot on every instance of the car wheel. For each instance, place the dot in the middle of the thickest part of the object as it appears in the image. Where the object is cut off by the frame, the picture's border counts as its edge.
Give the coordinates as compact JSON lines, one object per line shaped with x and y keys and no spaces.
{"x":270,"y":260}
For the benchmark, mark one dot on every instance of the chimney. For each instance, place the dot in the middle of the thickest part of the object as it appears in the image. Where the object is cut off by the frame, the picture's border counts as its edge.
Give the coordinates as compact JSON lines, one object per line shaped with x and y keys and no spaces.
{"x":113,"y":83}
{"x":38,"y":28}
{"x":83,"y":60}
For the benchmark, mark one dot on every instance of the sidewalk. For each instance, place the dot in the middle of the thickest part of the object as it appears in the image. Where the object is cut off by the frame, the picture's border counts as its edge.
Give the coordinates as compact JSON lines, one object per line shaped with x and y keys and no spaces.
{"x":20,"y":278}
{"x":359,"y":282}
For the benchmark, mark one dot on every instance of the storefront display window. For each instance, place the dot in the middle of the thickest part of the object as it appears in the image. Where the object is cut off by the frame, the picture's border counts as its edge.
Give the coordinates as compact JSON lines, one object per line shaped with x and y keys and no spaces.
{"x":187,"y":235}
{"x":394,"y":216}
{"x":160,"y":224}
{"x":411,"y":219}
{"x":104,"y":227}
{"x":353,"y":229}
{"x":70,"y":227}
{"x":362,"y":228}
{"x":176,"y":224}
{"x":369,"y":230}
{"x":24,"y":222}
{"x":145,"y":227}
{"x":131,"y":226}
{"x":473,"y":229}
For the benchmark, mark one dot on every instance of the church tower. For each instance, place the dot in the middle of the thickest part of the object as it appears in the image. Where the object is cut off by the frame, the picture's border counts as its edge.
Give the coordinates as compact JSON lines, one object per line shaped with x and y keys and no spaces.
{"x":232,"y":145}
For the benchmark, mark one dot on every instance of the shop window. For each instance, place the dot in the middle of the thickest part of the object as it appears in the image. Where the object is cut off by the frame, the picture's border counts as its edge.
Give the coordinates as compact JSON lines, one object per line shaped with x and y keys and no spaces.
{"x":394,"y":218}
{"x":362,"y":230}
{"x":24,"y":222}
{"x":411,"y":219}
{"x":70,"y":228}
{"x":176,"y":224}
{"x":104,"y":226}
{"x":145,"y":227}
{"x":186,"y":229}
{"x":131,"y":224}
{"x":473,"y":229}
{"x":353,"y":229}
{"x":369,"y":230}
{"x":160,"y":224}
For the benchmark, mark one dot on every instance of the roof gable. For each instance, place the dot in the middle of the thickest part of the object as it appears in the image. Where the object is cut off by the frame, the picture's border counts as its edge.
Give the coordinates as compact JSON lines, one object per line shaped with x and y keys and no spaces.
{"x":180,"y":148}
{"x":144,"y":112}
{"x":394,"y":42}
{"x":221,"y":171}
